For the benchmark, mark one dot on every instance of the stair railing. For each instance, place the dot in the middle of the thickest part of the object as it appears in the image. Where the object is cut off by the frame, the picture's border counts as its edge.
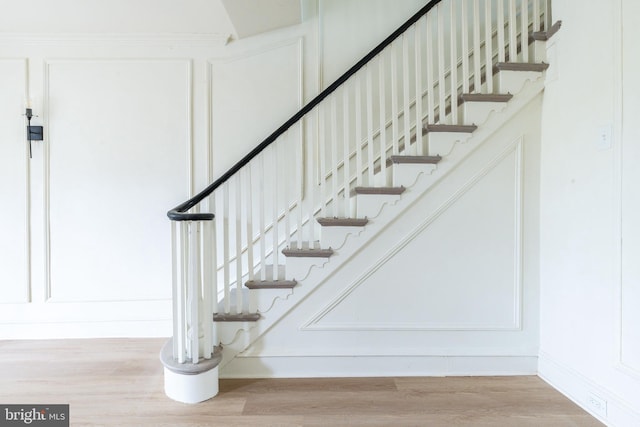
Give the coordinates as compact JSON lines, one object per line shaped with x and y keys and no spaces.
{"x":234,"y":230}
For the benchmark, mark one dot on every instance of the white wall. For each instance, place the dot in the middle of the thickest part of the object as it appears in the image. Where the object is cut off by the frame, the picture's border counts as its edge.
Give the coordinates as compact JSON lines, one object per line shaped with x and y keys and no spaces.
{"x":138,"y":112}
{"x":589,"y":317}
{"x":349,"y":29}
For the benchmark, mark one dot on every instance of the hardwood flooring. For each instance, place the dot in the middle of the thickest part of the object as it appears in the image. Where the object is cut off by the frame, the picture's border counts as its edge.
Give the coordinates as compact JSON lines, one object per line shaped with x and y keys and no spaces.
{"x":119,"y":382}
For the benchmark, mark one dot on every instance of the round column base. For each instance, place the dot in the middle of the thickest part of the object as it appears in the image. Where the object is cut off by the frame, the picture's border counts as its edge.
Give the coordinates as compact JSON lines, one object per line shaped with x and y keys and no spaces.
{"x":188,"y":382}
{"x":191,"y":388}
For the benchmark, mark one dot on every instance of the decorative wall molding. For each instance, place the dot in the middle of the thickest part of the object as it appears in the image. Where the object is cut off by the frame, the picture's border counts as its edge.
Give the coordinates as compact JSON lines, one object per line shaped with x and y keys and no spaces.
{"x":314,"y":323}
{"x":618,"y":151}
{"x":55,"y":39}
{"x":297,"y":42}
{"x":24,"y":63}
{"x":46,"y":107}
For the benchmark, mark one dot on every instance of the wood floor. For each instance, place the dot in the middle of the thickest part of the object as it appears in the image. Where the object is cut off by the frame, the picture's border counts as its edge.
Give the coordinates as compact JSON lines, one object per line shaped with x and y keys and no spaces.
{"x":118,"y":382}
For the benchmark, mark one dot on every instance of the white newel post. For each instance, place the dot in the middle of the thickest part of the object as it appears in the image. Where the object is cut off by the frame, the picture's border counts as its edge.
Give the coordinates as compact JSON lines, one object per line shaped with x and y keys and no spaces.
{"x":189,"y":358}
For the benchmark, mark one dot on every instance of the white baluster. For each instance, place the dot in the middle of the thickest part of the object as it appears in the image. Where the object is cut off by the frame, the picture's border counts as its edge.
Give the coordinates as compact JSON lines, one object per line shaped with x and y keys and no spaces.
{"x":193,"y":299}
{"x":238,"y":242}
{"x":488,"y":45}
{"x":249,"y":204}
{"x":275,"y":206}
{"x":418,"y":59}
{"x":453,"y":62}
{"x":383,"y":119}
{"x":300,"y":183}
{"x":442,"y":101}
{"x":406,"y":94}
{"x":358,"y":112}
{"x":182,"y":292}
{"x":211,"y":273}
{"x":369,"y":93}
{"x":346,"y":151}
{"x":225,"y":260}
{"x":547,"y":14}
{"x":536,"y":15}
{"x":334,"y":156}
{"x":207,"y":290}
{"x":477,"y":76}
{"x":286,"y":143}
{"x":464,"y":34}
{"x":262,"y":222}
{"x":430,"y":74}
{"x":394,"y":99}
{"x":513,"y":35}
{"x":524,"y":29}
{"x":174,"y":288}
{"x":501,"y":42}
{"x":311,"y":177}
{"x":322,"y":149}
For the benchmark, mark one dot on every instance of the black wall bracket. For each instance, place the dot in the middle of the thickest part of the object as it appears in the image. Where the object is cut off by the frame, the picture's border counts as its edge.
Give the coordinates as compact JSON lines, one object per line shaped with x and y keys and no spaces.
{"x":34,"y":133}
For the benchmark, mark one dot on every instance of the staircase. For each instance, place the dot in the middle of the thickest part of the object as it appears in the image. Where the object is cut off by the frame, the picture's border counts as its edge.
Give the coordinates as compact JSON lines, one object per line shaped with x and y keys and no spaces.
{"x":294,"y":211}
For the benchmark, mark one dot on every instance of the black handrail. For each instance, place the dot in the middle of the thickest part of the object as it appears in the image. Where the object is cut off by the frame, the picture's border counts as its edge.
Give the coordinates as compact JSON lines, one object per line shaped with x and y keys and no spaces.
{"x":179,"y":212}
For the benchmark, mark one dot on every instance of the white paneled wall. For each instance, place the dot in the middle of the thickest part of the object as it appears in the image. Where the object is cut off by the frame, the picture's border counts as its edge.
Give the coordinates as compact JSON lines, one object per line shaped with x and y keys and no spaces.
{"x":14,"y":173}
{"x":629,"y":294}
{"x":590,"y":327}
{"x":119,"y":144}
{"x":136,"y":118}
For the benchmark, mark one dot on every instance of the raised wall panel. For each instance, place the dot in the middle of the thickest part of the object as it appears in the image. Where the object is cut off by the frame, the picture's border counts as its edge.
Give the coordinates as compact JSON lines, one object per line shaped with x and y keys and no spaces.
{"x":630,"y":268}
{"x":238,"y":121}
{"x":14,"y":237}
{"x":461,"y":271}
{"x":119,"y":142}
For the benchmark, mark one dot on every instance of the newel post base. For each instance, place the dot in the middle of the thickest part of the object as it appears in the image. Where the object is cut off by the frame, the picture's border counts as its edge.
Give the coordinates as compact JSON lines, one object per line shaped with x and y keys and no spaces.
{"x":189,"y":382}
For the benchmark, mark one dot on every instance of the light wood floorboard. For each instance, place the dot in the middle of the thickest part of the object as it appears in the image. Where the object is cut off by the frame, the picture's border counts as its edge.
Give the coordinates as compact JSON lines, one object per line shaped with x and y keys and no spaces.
{"x":118,"y":382}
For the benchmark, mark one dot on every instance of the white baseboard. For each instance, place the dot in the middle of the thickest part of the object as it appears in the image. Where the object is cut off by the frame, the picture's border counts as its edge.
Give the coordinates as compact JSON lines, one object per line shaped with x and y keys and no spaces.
{"x":593,"y":398}
{"x":72,"y":330}
{"x":377,"y":366}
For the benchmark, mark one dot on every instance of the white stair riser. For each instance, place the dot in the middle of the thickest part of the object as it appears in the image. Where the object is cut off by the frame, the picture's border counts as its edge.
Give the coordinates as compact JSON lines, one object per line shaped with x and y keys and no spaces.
{"x":476,"y":113}
{"x":405,"y":175}
{"x":334,"y":237}
{"x":539,"y":51}
{"x":442,"y":143}
{"x":513,"y":81}
{"x":369,"y":205}
{"x":254,"y":300}
{"x":298,"y":267}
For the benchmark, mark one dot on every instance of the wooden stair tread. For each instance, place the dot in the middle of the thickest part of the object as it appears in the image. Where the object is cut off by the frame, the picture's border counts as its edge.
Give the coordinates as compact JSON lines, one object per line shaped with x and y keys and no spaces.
{"x":415,"y":159}
{"x":379,"y":190}
{"x":271,"y":284}
{"x":521,"y":66}
{"x":451,"y":128}
{"x":546,"y":35}
{"x":485,"y":97}
{"x":343,"y":222}
{"x":236,"y":317}
{"x":308,"y":253}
